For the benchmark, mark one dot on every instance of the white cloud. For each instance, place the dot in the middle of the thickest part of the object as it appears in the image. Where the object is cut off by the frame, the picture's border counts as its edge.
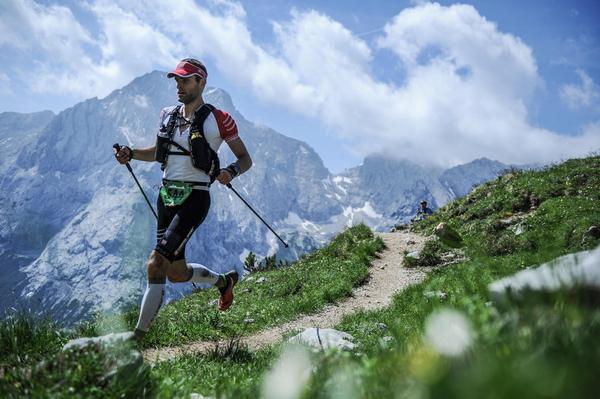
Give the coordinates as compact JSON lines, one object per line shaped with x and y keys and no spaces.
{"x":580,"y":96}
{"x":222,"y":35}
{"x":591,"y":132}
{"x":327,"y":58}
{"x":5,"y":84}
{"x":27,"y":24}
{"x":458,"y":36}
{"x":50,"y":35}
{"x":464,"y":95}
{"x":67,"y":59}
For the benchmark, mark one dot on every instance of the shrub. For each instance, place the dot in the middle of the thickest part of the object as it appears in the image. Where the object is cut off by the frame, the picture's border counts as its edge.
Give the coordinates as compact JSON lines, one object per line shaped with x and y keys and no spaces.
{"x":430,"y":255}
{"x":506,"y":244}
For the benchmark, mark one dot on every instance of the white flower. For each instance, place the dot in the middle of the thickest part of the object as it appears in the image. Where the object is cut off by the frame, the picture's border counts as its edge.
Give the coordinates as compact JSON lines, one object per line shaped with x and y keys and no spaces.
{"x":287,"y":378}
{"x":449,"y":332}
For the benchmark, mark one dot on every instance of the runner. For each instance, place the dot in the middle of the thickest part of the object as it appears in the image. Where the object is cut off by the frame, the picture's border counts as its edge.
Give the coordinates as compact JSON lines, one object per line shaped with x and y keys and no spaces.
{"x":197,"y":130}
{"x":423,"y":212}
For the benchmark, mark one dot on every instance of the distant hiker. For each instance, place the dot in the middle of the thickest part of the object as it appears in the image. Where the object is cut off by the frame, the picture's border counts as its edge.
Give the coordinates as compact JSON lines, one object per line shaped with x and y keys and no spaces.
{"x":423,"y":212}
{"x":189,"y":136}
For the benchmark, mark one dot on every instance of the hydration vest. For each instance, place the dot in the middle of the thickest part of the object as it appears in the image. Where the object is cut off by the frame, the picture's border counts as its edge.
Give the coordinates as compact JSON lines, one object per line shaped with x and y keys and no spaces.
{"x":202,"y":155}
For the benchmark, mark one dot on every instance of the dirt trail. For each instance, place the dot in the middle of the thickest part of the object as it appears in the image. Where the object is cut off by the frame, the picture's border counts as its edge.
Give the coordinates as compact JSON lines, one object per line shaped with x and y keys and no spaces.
{"x":386,"y":277}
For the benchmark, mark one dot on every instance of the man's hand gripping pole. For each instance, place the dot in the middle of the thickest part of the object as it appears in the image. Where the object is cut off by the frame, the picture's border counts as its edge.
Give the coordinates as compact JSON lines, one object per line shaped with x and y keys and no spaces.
{"x":118,"y":147}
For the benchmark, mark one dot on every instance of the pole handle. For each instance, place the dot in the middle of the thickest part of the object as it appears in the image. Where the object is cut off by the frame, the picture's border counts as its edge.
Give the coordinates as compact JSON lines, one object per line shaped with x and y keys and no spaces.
{"x":118,"y":147}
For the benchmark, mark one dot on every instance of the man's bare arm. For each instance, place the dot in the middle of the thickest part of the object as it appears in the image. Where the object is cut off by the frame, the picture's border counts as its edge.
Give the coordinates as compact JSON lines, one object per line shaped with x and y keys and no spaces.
{"x":243,"y":160}
{"x":241,"y":153}
{"x":144,"y":154}
{"x":141,"y":154}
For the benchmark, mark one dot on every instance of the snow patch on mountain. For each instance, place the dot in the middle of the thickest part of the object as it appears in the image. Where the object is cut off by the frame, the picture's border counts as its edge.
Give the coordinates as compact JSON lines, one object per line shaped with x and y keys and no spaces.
{"x":141,"y":101}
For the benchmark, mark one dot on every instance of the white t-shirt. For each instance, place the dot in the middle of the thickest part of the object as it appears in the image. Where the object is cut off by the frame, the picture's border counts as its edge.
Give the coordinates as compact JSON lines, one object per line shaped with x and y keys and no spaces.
{"x":219,"y":126}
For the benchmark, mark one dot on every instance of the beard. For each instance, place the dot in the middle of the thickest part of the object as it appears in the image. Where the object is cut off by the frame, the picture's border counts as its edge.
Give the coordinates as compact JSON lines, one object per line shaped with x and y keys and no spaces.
{"x":188,"y":98}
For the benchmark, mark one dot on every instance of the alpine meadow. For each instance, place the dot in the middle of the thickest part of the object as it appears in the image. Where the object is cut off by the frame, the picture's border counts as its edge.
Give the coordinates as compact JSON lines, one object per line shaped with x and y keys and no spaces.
{"x":446,"y":335}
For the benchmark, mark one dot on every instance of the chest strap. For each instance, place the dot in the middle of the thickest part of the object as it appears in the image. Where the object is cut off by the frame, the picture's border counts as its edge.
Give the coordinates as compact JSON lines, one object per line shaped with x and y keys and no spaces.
{"x":199,"y":117}
{"x":183,"y":151}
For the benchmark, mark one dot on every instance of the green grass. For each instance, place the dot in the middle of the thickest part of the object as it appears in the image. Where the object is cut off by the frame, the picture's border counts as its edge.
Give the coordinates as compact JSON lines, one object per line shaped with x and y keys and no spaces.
{"x":34,"y":366}
{"x":76,"y":373}
{"x":322,"y":277}
{"x":325,"y":276}
{"x":232,"y":371}
{"x":544,"y":347}
{"x":25,"y":340}
{"x":541,"y":347}
{"x":430,"y":255}
{"x":564,"y":198}
{"x":537,"y":349}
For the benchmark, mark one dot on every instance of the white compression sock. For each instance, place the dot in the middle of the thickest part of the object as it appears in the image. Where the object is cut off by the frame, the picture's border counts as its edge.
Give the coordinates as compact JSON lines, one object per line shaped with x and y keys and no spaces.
{"x":153,"y":297}
{"x":202,"y":274}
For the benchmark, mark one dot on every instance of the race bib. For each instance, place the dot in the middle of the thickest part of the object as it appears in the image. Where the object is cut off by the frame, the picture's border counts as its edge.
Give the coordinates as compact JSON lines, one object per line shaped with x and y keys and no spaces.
{"x":174,"y":193}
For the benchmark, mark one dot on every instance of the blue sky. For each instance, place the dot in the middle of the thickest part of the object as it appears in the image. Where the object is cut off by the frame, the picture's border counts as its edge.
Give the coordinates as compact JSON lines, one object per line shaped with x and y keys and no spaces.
{"x":440,"y":83}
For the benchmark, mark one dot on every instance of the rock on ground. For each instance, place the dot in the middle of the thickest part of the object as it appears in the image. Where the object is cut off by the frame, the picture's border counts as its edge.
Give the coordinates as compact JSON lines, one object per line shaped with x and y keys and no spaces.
{"x":581,"y":269}
{"x":324,"y":338}
{"x":448,"y":235}
{"x":126,"y":364}
{"x":593,"y":231}
{"x":107,"y":340}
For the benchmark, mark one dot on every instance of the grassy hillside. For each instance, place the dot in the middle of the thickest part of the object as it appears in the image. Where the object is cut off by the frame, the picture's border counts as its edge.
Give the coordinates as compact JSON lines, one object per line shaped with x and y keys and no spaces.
{"x":541,"y":347}
{"x":537,"y":348}
{"x":263,"y":300}
{"x":323,"y":277}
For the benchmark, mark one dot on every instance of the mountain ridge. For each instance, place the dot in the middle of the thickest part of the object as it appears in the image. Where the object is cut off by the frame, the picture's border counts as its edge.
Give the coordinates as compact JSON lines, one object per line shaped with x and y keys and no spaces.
{"x":86,"y":224}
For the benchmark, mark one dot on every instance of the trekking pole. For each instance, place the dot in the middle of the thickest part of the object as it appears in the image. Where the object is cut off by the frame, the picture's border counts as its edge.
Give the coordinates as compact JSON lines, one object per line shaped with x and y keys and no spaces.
{"x":261,"y":219}
{"x":117,"y":147}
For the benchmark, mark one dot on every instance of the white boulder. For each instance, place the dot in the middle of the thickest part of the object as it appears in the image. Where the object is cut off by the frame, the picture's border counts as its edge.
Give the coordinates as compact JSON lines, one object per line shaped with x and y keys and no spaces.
{"x":105,"y":340}
{"x":581,"y":269}
{"x":324,"y":338}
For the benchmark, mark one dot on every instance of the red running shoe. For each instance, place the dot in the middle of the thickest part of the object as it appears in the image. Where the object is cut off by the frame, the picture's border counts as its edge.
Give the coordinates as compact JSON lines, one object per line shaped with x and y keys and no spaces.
{"x":226,"y":298}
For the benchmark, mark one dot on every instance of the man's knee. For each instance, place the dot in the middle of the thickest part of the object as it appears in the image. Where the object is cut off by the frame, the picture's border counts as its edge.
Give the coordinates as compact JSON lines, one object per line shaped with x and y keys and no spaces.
{"x":157,"y":266}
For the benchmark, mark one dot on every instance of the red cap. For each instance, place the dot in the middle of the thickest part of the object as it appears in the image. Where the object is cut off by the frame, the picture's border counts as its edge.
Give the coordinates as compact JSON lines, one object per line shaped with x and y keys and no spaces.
{"x":185,"y":69}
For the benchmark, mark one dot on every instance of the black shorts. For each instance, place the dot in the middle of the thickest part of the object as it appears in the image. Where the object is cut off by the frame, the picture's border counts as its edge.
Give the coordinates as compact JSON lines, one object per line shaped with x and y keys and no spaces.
{"x":177,"y":223}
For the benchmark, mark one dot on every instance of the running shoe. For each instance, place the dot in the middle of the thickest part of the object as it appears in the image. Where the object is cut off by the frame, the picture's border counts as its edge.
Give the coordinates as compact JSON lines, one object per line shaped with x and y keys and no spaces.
{"x":226,"y":298}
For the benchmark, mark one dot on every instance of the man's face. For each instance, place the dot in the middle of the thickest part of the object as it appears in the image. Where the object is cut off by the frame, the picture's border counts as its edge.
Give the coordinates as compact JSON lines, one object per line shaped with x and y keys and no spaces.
{"x":188,"y":89}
